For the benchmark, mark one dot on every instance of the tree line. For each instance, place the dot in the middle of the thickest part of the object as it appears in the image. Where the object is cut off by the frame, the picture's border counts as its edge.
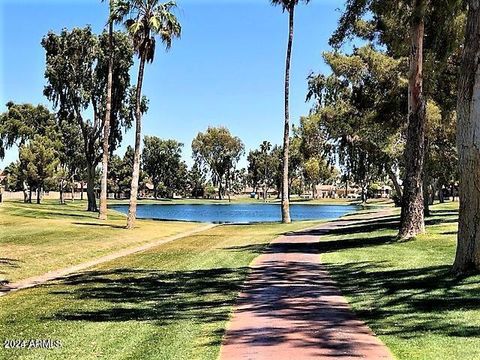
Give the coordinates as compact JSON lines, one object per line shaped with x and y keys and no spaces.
{"x":49,"y":162}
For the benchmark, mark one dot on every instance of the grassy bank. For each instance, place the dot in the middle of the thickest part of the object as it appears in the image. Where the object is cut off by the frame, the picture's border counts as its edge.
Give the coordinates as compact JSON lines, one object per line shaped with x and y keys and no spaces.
{"x":171,"y":302}
{"x":39,"y":238}
{"x":404,"y":291}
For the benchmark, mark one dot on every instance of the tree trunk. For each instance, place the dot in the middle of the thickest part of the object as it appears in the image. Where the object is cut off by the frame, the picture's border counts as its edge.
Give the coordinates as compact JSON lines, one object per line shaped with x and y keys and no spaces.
{"x":62,"y":193}
{"x":220,"y":190}
{"x":441,"y":198}
{"x":106,"y":126}
{"x":394,"y":180}
{"x":286,"y":133}
{"x":30,"y":195}
{"x":39,"y":194}
{"x":426,"y":196}
{"x":467,"y":257}
{"x":412,"y":219}
{"x":26,"y":198}
{"x":92,"y":201}
{"x":346,"y":188}
{"x":132,"y":209}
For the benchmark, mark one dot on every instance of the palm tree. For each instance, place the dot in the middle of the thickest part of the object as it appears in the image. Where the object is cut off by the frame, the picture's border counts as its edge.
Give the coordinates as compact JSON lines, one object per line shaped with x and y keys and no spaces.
{"x":289,"y":6}
{"x":106,"y":126}
{"x":145,"y":20}
{"x":265,"y":147}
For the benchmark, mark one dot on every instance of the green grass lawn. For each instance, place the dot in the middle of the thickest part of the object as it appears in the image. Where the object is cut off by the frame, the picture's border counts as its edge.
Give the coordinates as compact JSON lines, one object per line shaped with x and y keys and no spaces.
{"x":404,"y":291}
{"x":39,"y":238}
{"x":171,"y":302}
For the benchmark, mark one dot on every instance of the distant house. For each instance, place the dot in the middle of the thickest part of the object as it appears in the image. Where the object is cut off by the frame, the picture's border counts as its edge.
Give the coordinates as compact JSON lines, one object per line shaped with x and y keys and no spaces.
{"x":325,"y":191}
{"x":383,"y":192}
{"x":248,"y":190}
{"x":3,"y":179}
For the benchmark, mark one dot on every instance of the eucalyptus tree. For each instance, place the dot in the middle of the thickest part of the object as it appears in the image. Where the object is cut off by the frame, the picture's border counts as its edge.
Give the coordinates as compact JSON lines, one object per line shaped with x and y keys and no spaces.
{"x":288,"y":6}
{"x":106,"y":124}
{"x":76,"y":72}
{"x":144,"y":20}
{"x":467,"y":257}
{"x":218,"y":151}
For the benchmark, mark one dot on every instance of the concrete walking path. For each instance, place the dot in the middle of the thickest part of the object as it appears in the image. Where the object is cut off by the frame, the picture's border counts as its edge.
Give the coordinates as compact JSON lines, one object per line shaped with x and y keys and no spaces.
{"x":291,"y":309}
{"x":60,"y":273}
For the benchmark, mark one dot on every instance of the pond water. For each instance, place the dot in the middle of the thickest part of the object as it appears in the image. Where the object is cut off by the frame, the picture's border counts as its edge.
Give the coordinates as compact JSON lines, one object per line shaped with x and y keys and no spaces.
{"x":235,"y":213}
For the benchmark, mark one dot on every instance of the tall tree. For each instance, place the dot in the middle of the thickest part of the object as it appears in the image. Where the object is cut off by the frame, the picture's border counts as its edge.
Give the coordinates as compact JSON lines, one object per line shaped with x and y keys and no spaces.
{"x":144,"y":20}
{"x":289,"y":6}
{"x":389,"y":23}
{"x":467,"y":257}
{"x":106,"y":124}
{"x":77,"y":68}
{"x":219,"y":151}
{"x":262,"y":169}
{"x":162,"y":162}
{"x":412,"y":214}
{"x":360,"y":109}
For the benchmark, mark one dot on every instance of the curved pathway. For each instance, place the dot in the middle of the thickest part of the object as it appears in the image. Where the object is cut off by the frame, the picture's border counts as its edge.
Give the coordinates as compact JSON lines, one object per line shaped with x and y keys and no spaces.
{"x":291,"y":309}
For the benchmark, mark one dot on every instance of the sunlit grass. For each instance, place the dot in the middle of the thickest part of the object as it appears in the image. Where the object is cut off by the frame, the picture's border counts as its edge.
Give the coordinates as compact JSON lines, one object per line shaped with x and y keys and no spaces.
{"x":171,"y":302}
{"x":39,"y":238}
{"x":404,"y":290}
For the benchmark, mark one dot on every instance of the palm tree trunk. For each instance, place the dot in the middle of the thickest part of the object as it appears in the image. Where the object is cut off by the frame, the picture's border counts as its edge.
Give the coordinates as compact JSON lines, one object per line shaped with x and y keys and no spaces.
{"x":412,"y":219}
{"x":467,"y":257}
{"x":106,"y":126}
{"x":132,"y":209}
{"x":286,"y":133}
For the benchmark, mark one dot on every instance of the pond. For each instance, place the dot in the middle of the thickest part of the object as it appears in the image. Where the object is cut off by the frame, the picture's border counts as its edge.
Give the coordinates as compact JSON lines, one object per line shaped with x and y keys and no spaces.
{"x":235,"y":213}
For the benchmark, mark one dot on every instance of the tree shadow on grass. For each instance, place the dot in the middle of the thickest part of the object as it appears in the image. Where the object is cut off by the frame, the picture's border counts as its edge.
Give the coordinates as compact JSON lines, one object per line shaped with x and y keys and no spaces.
{"x":99,"y":224}
{"x":5,"y":265}
{"x":7,"y":262}
{"x":150,"y":295}
{"x":409,"y":302}
{"x":315,"y":247}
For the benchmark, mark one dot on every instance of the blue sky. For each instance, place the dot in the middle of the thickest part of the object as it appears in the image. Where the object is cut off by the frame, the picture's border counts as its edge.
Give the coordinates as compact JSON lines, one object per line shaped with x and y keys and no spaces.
{"x":227,"y":69}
